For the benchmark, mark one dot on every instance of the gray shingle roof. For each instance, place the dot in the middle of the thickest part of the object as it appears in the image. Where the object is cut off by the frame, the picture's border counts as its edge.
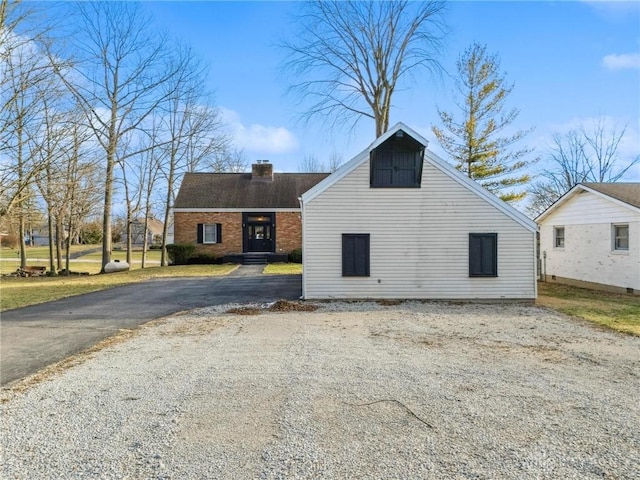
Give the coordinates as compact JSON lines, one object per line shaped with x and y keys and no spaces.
{"x":625,"y":192}
{"x":236,"y":190}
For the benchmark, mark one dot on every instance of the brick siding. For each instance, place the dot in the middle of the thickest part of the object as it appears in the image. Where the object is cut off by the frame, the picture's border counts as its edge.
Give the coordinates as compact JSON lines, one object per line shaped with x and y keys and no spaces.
{"x":288,"y":231}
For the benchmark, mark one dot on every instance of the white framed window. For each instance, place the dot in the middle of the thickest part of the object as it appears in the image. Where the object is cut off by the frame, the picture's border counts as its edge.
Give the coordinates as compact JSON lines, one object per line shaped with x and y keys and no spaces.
{"x":620,"y":235}
{"x":209,"y":233}
{"x":558,"y":237}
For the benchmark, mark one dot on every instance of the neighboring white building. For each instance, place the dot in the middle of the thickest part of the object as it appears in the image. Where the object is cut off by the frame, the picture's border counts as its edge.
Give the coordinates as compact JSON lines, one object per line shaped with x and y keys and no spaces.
{"x":397,"y":221}
{"x":153,"y":232}
{"x":590,"y":237}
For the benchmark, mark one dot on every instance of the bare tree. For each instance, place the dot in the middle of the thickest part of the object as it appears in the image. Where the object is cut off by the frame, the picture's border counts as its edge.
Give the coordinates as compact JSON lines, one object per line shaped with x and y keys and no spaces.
{"x":191,"y":127}
{"x":335,"y":160}
{"x":25,"y":75}
{"x":52,"y":152}
{"x":80,"y":179}
{"x":350,"y":57}
{"x":204,"y":141}
{"x":119,"y":78}
{"x":311,"y":164}
{"x":151,"y":165}
{"x":230,"y":160}
{"x":580,"y":155}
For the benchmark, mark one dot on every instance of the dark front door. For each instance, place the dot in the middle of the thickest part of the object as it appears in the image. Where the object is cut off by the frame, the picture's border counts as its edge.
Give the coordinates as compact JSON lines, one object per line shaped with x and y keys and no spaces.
{"x":259,"y":232}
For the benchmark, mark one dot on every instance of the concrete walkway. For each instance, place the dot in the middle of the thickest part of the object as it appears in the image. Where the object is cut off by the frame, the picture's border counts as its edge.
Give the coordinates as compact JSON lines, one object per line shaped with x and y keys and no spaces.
{"x":36,"y":336}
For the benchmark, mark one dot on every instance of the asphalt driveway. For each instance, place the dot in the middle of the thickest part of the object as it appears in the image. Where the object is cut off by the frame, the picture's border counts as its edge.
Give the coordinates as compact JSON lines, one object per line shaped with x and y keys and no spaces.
{"x":34,"y":337}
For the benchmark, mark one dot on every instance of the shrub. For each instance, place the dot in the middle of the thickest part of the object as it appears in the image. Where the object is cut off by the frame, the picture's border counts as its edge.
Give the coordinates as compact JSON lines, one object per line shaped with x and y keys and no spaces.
{"x":179,"y":253}
{"x":295,"y":256}
{"x":9,"y":240}
{"x":91,"y":233}
{"x":203,"y":259}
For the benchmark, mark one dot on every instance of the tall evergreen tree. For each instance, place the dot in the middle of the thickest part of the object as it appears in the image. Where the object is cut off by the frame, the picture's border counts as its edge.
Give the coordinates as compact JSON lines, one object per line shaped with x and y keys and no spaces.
{"x":473,"y":138}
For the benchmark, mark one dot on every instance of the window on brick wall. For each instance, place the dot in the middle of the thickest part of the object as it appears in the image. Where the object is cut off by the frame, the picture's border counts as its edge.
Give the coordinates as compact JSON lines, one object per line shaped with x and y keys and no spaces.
{"x":209,"y":233}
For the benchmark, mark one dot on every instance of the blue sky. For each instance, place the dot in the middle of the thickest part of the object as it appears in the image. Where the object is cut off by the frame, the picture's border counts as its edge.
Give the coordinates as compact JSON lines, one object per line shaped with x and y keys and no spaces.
{"x":571,"y":62}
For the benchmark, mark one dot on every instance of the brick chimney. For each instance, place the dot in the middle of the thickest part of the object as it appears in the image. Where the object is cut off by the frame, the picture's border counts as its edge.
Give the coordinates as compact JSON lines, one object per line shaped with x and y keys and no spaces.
{"x":262,"y":171}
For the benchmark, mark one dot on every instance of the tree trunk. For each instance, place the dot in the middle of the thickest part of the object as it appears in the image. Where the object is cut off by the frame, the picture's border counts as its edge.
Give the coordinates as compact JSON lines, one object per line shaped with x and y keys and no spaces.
{"x":23,"y":244}
{"x":167,"y":212}
{"x":59,"y":241}
{"x":67,"y":253}
{"x":52,"y":238}
{"x":129,"y":242}
{"x":145,"y":242}
{"x":108,"y":191}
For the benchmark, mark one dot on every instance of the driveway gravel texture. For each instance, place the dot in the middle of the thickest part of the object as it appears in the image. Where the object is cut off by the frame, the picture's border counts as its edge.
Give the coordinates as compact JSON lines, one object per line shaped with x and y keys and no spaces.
{"x":351,"y":390}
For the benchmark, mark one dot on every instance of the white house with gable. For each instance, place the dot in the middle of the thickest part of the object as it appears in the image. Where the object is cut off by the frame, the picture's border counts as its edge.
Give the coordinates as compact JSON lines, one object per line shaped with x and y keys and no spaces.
{"x":399,"y":222}
{"x":590,"y":237}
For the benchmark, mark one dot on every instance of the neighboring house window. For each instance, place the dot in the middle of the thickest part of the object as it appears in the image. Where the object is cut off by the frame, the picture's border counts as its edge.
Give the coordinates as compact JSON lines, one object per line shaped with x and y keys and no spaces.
{"x":558,"y":237}
{"x":621,"y":237}
{"x":483,"y":254}
{"x":392,"y":168}
{"x":209,"y":233}
{"x":355,"y":255}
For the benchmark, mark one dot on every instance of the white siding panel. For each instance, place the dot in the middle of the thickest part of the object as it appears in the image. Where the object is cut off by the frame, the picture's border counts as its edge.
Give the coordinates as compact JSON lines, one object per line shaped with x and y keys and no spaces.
{"x":588,"y":253}
{"x":419,"y":241}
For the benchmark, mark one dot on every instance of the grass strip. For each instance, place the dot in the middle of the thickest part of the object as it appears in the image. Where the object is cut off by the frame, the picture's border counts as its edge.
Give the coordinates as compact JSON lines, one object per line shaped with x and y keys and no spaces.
{"x":283,"y":269}
{"x":620,"y":312}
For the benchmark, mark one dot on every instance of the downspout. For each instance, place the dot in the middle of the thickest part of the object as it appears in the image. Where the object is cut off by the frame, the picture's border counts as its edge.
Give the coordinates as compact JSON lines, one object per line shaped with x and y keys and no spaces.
{"x":536,"y":261}
{"x":304,"y":251}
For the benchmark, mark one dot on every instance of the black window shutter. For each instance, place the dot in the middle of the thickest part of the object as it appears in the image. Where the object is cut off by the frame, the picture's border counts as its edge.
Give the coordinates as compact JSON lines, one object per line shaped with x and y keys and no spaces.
{"x":218,"y":233}
{"x":348,"y":255}
{"x":475,"y":255}
{"x":355,"y":255}
{"x":483,"y":254}
{"x":200,"y":233}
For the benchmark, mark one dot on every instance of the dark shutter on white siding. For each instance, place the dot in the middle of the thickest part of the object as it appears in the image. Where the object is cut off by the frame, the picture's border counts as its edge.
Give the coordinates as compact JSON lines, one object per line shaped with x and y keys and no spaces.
{"x":483,"y":254}
{"x":200,"y":233}
{"x":355,"y":255}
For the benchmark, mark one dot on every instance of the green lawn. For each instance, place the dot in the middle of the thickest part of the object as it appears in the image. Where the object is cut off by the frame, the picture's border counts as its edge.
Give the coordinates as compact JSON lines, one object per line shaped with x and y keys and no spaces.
{"x":20,"y":292}
{"x":90,"y":263}
{"x":616,"y":311}
{"x":283,"y":269}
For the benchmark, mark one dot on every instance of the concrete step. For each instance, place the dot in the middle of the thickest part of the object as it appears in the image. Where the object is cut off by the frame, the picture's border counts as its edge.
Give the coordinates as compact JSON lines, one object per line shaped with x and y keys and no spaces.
{"x":255,"y":259}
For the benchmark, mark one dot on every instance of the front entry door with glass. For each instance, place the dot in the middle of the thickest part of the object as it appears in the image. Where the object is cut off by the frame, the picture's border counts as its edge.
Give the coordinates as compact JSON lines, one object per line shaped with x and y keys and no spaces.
{"x":259,"y":232}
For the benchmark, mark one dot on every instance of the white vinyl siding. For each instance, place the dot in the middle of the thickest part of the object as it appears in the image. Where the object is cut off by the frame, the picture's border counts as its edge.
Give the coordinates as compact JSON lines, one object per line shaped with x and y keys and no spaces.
{"x":419,"y":241}
{"x":590,"y":255}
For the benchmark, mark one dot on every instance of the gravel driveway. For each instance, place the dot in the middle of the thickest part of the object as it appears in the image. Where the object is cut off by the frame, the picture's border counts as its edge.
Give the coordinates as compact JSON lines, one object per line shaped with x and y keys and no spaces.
{"x":352,"y":390}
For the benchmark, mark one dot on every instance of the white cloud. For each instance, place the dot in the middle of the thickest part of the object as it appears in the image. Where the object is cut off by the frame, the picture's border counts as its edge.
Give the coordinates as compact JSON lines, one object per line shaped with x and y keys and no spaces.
{"x":264,"y":139}
{"x":622,"y":61}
